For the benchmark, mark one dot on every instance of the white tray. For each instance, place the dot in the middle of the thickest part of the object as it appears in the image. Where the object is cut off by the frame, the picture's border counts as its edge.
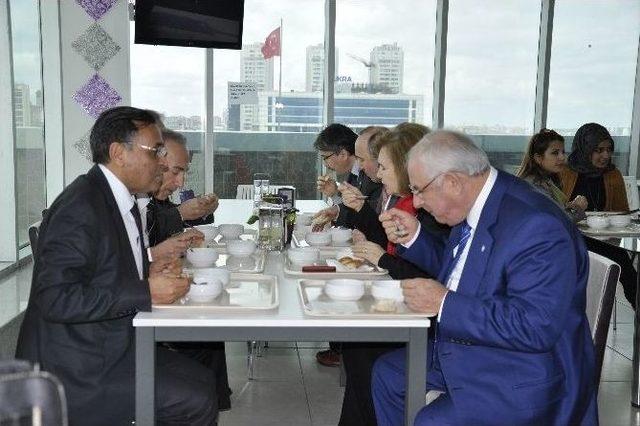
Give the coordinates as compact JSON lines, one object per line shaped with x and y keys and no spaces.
{"x":296,"y":270}
{"x":298,"y":241}
{"x":317,"y":304}
{"x":632,"y":230}
{"x":254,"y":266}
{"x":245,"y":292}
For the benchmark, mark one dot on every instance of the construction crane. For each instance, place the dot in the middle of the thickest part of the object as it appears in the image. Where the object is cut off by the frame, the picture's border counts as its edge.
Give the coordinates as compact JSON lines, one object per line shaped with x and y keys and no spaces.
{"x":362,"y":60}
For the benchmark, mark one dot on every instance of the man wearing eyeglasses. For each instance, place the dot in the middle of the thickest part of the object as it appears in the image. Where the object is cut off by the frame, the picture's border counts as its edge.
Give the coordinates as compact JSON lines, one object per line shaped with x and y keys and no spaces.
{"x":336,"y":145}
{"x":511,"y":343}
{"x":163,"y":219}
{"x":91,"y":277}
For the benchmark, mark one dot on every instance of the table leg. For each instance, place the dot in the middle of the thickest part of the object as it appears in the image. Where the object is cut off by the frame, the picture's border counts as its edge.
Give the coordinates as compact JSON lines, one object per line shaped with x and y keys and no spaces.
{"x":145,"y":376}
{"x":416,"y":386}
{"x":635,"y":391}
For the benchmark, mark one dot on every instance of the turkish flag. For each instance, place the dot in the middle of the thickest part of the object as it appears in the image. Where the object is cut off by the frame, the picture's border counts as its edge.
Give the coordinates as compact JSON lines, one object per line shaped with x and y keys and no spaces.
{"x":271,"y":45}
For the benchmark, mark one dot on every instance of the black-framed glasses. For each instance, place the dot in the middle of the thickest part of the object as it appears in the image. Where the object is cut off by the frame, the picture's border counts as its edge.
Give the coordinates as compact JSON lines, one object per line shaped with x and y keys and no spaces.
{"x":415,"y":191}
{"x":160,"y":151}
{"x":326,"y":157}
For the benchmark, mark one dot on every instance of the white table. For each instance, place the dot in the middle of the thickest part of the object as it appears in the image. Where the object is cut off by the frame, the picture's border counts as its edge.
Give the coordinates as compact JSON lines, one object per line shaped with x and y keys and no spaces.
{"x":286,"y":323}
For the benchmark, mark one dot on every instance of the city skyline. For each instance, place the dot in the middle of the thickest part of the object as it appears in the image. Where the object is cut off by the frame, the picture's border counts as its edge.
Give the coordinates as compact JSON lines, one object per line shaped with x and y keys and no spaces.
{"x":491,"y":62}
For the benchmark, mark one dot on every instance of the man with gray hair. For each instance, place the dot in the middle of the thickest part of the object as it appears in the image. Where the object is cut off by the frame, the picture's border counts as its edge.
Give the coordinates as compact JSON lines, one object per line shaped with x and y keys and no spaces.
{"x":511,"y":342}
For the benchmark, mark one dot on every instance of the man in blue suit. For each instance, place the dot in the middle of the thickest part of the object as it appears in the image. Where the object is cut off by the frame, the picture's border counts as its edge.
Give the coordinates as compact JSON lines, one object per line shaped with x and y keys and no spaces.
{"x":511,"y":342}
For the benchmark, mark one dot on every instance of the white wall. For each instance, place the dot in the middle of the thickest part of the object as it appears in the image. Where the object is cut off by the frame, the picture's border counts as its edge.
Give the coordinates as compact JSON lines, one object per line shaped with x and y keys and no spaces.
{"x":76,"y":72}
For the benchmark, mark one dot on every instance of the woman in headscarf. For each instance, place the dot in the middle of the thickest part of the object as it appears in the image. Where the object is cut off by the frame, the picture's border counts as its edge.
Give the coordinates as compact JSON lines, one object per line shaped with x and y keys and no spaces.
{"x":592,"y":174}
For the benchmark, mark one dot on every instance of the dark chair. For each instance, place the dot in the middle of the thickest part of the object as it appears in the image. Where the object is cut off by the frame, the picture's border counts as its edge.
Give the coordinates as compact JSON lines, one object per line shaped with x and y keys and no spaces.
{"x":601,"y":292}
{"x":33,"y":237}
{"x":30,"y":396}
{"x":34,"y":231}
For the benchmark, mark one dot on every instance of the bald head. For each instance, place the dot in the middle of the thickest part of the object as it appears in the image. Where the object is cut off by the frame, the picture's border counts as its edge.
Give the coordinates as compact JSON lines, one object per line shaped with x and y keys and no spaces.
{"x":365,"y":151}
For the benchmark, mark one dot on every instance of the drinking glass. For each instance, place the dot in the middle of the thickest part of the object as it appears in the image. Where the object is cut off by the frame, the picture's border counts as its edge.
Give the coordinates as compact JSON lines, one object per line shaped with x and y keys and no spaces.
{"x":258,"y":189}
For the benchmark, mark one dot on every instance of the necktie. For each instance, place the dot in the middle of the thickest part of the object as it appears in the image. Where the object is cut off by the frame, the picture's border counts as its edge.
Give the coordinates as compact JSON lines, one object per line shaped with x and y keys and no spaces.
{"x":145,"y":261}
{"x":465,"y":233}
{"x":151,"y":222}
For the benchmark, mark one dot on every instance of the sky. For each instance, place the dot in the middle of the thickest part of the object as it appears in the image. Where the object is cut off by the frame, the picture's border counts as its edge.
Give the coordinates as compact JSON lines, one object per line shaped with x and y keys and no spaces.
{"x":491,"y":61}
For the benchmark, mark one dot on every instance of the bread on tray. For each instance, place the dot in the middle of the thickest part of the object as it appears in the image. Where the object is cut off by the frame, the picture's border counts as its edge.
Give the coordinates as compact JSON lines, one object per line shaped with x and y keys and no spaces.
{"x":351,"y":262}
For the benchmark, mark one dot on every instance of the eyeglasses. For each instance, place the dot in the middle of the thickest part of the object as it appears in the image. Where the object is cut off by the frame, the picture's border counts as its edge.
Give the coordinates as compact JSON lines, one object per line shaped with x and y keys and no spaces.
{"x":160,"y":151}
{"x":415,"y":191}
{"x":326,"y":157}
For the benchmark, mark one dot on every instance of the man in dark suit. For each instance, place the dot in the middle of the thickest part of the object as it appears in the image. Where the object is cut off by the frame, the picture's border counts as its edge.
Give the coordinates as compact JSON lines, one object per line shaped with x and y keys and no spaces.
{"x":165,"y":219}
{"x":336,"y":146}
{"x":91,"y":277}
{"x":511,"y":342}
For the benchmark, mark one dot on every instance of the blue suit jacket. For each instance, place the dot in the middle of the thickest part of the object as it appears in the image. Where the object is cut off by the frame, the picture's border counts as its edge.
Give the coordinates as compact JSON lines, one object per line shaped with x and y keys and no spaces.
{"x":514,"y":345}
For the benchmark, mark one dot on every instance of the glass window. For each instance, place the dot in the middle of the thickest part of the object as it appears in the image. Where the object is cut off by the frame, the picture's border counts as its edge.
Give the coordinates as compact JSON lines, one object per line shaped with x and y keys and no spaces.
{"x":384,"y":62}
{"x":28,"y":115}
{"x":271,"y":127}
{"x":491,"y":75}
{"x":171,"y":80}
{"x":593,"y":66}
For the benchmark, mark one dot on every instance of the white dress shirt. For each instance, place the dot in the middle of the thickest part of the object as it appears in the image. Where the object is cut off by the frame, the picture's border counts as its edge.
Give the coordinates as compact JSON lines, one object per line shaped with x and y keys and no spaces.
{"x":143,"y":201}
{"x":125,"y":200}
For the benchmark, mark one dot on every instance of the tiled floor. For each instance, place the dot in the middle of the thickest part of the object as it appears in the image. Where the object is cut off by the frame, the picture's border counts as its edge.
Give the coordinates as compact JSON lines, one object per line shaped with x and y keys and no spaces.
{"x":291,"y":388}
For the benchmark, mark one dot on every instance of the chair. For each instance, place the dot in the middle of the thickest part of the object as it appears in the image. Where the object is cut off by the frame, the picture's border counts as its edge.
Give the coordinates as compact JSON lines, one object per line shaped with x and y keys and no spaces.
{"x":601,"y":291}
{"x":30,"y":396}
{"x":244,"y":192}
{"x":34,"y":230}
{"x":631,"y":186}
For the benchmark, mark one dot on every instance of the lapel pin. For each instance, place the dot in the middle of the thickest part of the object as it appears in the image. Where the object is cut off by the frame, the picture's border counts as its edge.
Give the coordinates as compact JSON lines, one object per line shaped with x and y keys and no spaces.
{"x":482,"y":249}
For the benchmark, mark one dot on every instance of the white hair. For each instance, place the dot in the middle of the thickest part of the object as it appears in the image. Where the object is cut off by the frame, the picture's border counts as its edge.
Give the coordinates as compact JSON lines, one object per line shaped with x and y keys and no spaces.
{"x":445,"y":151}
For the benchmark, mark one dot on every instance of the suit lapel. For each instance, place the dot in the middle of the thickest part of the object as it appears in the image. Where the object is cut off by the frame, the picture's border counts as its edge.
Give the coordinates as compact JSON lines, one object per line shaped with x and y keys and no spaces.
{"x":96,"y":175}
{"x":483,"y":240}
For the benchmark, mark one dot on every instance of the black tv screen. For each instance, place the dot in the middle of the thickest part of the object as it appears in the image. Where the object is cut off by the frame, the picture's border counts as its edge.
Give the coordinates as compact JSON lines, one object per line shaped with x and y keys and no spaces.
{"x":196,"y":23}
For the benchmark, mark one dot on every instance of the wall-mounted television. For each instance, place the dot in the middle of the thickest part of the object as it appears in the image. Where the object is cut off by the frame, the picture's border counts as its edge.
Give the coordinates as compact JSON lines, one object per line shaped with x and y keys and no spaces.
{"x":195,"y":23}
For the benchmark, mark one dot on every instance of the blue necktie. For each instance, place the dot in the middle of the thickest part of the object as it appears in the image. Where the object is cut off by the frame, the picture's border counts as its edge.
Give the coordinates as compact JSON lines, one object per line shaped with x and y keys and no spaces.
{"x":465,"y":234}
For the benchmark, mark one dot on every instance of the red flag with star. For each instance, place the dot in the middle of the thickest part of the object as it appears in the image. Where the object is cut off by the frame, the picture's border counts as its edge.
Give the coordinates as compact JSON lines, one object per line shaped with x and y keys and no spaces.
{"x":271,"y":45}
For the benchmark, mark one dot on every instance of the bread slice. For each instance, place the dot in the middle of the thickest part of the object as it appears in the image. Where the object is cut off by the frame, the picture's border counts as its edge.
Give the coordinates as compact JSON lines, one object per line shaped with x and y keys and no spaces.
{"x":350,"y":262}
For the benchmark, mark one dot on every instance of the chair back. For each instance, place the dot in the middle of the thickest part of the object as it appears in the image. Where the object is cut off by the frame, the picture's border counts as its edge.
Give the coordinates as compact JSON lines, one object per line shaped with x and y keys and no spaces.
{"x":244,"y":192}
{"x":34,"y":231}
{"x":30,"y":396}
{"x":601,"y":292}
{"x":631,"y":186}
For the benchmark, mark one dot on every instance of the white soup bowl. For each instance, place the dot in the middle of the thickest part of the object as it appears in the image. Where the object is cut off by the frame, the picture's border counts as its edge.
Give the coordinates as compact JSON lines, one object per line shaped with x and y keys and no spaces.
{"x":202,"y":257}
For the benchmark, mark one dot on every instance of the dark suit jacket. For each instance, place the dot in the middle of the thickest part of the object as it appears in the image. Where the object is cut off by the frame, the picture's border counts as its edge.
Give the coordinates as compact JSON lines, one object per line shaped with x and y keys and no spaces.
{"x":84,"y":294}
{"x":371,"y":189}
{"x":515,"y":332}
{"x":164,"y":220}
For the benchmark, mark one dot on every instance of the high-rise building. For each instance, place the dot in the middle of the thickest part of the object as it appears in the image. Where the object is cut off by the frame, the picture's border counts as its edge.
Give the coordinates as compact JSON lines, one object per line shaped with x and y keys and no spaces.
{"x":22,"y":105}
{"x":387,"y":67}
{"x":356,"y":110}
{"x":315,"y":67}
{"x":254,"y":68}
{"x":37,"y":110}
